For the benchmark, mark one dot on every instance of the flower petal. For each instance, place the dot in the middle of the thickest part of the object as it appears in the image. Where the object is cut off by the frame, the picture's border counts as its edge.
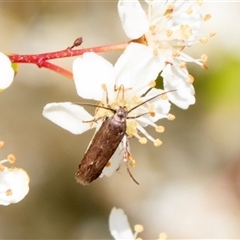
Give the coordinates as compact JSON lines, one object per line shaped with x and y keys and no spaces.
{"x":119,"y":226}
{"x":136,"y":67}
{"x":68,"y":116}
{"x":6,"y":71}
{"x":14,"y":185}
{"x":115,"y":162}
{"x":133,"y":17}
{"x":175,"y":78}
{"x":90,"y":72}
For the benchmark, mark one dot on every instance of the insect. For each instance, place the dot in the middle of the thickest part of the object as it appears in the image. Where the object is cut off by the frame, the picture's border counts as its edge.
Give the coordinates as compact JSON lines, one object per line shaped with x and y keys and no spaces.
{"x":105,"y":142}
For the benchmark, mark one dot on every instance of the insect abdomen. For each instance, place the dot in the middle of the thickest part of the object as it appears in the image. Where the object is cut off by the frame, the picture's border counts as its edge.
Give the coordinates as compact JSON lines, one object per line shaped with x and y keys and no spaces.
{"x":101,"y":149}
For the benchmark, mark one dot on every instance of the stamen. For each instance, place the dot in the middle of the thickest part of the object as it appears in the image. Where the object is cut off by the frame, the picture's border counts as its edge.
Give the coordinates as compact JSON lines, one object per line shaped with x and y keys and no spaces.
{"x":152,"y":28}
{"x":171,"y":117}
{"x":168,"y":16}
{"x":170,"y":6}
{"x":212,"y":34}
{"x":144,"y":132}
{"x":189,"y":10}
{"x":9,"y":192}
{"x":168,"y":33}
{"x":182,"y":64}
{"x":163,"y":96}
{"x":152,"y":84}
{"x":159,"y":129}
{"x":206,"y":17}
{"x":157,"y":142}
{"x":11,"y":158}
{"x":186,"y":31}
{"x":1,"y":168}
{"x":175,"y":54}
{"x":135,"y":99}
{"x":203,"y":40}
{"x":151,"y":114}
{"x":132,"y":162}
{"x":108,"y":164}
{"x":142,"y":140}
{"x":204,"y":66}
{"x":190,"y":79}
{"x":138,"y":228}
{"x":204,"y":58}
{"x":199,"y":2}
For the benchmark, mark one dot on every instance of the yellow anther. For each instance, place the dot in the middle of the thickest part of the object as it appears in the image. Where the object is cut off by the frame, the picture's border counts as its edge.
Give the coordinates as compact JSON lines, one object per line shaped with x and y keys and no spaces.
{"x":143,"y":140}
{"x":8,"y":192}
{"x":206,"y":17}
{"x":186,"y":31}
{"x":159,"y":129}
{"x":152,"y":27}
{"x":152,"y":84}
{"x":157,"y":142}
{"x":132,"y":162}
{"x":203,"y":39}
{"x":108,"y":164}
{"x":189,"y":10}
{"x":171,"y":117}
{"x":182,"y":65}
{"x":168,"y":33}
{"x":1,"y":168}
{"x":151,"y":114}
{"x":138,"y":228}
{"x":199,"y":2}
{"x":175,"y":54}
{"x":170,"y":6}
{"x":212,"y":34}
{"x":134,"y":99}
{"x":190,"y":79}
{"x":11,"y":158}
{"x":204,"y":66}
{"x":163,"y":96}
{"x":204,"y":58}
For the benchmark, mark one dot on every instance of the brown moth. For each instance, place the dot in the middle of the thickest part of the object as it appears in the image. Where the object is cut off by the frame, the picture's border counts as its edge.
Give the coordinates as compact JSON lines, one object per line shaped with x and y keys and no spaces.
{"x":105,"y":142}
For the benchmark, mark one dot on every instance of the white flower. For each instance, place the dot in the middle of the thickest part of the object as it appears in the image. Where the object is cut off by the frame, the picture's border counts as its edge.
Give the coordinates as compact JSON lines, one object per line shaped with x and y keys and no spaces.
{"x":6,"y":72}
{"x":119,"y":225}
{"x":14,"y":182}
{"x":120,"y":229}
{"x":124,"y":84}
{"x":165,"y":30}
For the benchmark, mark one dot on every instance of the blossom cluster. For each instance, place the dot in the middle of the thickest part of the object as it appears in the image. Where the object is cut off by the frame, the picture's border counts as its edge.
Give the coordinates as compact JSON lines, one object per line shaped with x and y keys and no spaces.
{"x":158,"y":37}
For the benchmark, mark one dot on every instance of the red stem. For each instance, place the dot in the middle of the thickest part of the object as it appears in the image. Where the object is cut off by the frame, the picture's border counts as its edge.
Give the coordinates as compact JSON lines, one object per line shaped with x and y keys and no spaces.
{"x":41,"y":60}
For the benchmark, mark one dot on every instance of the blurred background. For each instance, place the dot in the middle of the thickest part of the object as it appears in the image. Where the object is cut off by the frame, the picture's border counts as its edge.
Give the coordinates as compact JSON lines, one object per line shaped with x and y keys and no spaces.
{"x":189,"y":187}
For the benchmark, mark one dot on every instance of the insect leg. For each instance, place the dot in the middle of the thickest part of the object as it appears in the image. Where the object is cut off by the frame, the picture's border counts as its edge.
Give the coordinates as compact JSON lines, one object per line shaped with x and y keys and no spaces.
{"x":127,"y":157}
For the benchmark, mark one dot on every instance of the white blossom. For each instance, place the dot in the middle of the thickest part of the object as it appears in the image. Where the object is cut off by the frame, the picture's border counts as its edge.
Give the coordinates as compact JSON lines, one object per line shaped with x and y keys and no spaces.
{"x":112,"y":86}
{"x":164,"y":31}
{"x":6,"y":72}
{"x":119,"y":225}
